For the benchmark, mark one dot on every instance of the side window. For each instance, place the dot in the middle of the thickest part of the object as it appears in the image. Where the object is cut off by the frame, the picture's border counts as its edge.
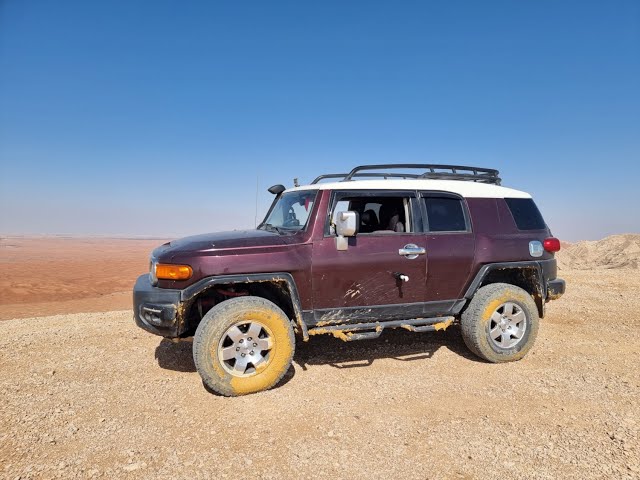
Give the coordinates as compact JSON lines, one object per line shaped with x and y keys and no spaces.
{"x":526,"y":214}
{"x":445,"y":214}
{"x":378,"y":215}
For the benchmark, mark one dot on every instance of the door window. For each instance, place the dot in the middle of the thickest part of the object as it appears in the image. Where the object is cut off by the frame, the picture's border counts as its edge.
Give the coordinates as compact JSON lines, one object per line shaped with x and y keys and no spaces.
{"x":378,"y":215}
{"x":445,"y":214}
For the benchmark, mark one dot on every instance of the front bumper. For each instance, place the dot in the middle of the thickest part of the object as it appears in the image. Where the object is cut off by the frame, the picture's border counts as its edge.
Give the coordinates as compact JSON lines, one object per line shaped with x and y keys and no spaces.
{"x":157,"y":310}
{"x":555,"y":289}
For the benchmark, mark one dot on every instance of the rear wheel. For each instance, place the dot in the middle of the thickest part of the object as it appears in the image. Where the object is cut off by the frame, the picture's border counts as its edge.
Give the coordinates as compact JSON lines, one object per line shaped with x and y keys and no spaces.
{"x":500,"y":323}
{"x":243,"y":345}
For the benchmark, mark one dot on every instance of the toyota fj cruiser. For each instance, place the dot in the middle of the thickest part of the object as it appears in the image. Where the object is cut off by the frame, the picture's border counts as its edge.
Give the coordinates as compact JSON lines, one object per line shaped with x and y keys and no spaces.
{"x":373,"y":250}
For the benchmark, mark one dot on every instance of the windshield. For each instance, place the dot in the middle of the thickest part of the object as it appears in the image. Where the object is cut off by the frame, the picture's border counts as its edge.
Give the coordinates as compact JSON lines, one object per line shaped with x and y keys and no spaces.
{"x":291,"y":212}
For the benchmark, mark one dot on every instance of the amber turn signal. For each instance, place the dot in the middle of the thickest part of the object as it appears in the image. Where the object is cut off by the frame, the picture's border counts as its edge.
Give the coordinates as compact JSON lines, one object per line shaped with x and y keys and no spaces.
{"x":165,"y":271}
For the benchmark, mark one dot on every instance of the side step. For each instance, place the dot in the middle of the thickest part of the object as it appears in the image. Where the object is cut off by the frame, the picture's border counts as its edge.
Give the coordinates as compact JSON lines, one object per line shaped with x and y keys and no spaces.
{"x":368,"y":331}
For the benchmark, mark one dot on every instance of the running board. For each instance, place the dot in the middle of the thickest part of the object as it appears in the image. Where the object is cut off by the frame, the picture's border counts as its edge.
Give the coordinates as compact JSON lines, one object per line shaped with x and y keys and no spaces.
{"x":367,"y":331}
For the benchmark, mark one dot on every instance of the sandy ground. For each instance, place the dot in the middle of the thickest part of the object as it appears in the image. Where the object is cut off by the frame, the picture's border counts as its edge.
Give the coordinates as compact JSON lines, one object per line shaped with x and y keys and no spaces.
{"x":90,"y":395}
{"x":51,"y":275}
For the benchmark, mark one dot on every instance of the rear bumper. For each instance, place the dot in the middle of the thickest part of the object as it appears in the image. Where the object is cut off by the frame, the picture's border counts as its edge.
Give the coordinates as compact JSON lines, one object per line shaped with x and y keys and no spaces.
{"x":157,"y":310}
{"x":555,"y":289}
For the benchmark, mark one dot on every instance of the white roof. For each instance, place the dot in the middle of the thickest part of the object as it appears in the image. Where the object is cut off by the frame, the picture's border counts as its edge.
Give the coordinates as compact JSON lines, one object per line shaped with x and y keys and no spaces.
{"x":461,"y":187}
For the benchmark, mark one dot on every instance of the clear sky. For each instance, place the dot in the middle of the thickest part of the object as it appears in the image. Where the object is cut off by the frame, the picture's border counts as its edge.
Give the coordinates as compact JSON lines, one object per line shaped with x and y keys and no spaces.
{"x":159,"y":117}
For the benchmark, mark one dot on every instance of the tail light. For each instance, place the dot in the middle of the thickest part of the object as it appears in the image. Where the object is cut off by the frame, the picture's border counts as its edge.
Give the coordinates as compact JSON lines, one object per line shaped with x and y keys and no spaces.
{"x":551,"y":244}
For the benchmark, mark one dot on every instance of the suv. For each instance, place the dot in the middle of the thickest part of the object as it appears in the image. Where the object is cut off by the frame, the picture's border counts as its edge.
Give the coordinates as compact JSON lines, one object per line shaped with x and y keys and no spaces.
{"x":351,"y":258}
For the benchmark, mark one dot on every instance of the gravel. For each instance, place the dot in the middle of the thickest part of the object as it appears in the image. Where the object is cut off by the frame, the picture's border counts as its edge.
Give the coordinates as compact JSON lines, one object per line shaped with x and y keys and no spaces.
{"x":93,"y":396}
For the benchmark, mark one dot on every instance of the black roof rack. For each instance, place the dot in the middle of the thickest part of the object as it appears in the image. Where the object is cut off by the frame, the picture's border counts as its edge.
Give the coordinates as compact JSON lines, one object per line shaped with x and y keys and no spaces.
{"x":433,"y":171}
{"x":437,"y":171}
{"x":368,"y":175}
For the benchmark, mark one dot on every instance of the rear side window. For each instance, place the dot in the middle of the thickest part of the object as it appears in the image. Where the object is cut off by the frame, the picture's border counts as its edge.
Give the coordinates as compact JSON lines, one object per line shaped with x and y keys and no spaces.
{"x":526,"y":214}
{"x":445,"y":214}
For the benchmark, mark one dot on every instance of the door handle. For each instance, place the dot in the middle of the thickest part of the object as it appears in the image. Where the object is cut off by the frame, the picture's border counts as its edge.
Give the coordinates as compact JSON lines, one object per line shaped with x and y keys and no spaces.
{"x":412,"y":251}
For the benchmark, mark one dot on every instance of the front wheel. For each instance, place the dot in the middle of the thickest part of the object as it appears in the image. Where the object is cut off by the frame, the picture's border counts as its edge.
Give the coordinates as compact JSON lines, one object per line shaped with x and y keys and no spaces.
{"x":500,"y":323}
{"x":243,"y":345}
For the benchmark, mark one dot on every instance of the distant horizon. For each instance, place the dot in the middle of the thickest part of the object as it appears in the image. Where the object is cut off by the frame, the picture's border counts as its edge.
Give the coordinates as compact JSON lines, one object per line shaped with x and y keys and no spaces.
{"x":171,"y":237}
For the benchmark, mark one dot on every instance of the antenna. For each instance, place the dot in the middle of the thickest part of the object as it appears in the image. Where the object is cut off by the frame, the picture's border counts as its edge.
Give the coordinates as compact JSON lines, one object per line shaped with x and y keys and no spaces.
{"x":255,"y":218}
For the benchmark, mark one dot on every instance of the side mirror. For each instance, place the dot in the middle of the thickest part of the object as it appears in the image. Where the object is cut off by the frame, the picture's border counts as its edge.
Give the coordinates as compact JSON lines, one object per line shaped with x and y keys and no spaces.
{"x":346,"y":226}
{"x":277,"y":189}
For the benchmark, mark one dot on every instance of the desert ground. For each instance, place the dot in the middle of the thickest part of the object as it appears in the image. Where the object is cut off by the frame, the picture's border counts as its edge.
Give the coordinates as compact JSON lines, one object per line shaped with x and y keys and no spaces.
{"x":54,"y":275}
{"x":86,"y":394}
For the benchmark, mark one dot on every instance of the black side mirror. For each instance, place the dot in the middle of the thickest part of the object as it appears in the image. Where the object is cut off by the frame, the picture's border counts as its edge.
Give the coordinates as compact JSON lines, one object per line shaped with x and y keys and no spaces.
{"x":277,"y":189}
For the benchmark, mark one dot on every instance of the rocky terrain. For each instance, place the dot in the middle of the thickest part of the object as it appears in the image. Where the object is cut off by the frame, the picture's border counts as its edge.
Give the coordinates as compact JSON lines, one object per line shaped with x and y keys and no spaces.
{"x":614,"y":252}
{"x":90,"y":395}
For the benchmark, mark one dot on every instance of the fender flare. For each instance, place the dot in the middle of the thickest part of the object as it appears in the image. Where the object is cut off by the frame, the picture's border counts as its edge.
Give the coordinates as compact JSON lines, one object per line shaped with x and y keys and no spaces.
{"x":529,"y":265}
{"x":191,"y":291}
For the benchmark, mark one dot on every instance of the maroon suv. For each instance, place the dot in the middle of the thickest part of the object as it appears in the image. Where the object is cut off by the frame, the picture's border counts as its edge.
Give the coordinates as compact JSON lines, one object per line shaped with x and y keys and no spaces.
{"x":371,"y":251}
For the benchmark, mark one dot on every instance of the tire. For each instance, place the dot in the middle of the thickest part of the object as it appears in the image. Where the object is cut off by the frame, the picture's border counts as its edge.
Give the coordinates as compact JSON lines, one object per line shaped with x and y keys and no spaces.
{"x":232,"y":358}
{"x":501,"y":323}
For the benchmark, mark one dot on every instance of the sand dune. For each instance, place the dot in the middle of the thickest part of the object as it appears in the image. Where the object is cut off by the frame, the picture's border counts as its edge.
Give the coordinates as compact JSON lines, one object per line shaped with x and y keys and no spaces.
{"x":614,"y":252}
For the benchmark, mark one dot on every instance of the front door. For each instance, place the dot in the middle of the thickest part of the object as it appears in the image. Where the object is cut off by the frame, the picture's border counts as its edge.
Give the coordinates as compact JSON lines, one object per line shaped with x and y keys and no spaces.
{"x":382,"y":275}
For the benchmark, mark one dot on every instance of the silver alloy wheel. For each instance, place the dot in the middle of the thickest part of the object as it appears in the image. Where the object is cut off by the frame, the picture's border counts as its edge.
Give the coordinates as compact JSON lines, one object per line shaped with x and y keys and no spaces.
{"x":508,"y":325}
{"x":244,"y":348}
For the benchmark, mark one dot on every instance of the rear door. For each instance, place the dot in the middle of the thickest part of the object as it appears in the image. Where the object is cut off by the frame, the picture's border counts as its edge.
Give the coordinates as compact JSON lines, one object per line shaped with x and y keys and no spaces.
{"x":365,"y":282}
{"x":450,"y":245}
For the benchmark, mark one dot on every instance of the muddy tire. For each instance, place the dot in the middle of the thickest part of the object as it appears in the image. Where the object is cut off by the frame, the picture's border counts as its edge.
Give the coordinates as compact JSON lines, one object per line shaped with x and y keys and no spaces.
{"x":243,"y":345}
{"x":501,"y":323}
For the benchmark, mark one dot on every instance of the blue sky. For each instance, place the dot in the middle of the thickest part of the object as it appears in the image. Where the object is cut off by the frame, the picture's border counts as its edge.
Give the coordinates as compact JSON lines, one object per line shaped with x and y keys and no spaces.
{"x":159,"y":117}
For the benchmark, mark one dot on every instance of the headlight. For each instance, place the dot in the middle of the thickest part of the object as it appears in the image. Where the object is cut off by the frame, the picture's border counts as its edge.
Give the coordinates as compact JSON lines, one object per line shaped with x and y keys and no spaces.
{"x":152,"y":271}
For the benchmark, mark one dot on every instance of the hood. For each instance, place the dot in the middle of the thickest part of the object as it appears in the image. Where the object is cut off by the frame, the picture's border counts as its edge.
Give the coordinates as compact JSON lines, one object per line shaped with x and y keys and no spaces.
{"x":211,"y":242}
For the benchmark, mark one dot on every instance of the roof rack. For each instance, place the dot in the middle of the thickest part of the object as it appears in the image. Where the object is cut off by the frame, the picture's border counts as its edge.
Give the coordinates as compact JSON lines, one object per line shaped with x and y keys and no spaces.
{"x":368,"y":175}
{"x":433,"y":171}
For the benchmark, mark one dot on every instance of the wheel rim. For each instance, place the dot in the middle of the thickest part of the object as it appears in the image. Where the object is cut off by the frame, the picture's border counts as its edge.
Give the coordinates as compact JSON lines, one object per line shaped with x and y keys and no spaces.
{"x":508,"y":325}
{"x":245,"y":348}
